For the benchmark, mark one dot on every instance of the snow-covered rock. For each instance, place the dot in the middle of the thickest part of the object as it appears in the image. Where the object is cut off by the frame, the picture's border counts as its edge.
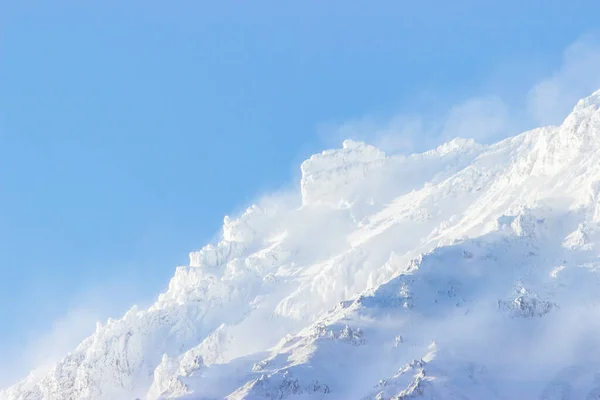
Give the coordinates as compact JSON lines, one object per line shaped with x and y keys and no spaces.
{"x":331,"y":175}
{"x":466,"y":272}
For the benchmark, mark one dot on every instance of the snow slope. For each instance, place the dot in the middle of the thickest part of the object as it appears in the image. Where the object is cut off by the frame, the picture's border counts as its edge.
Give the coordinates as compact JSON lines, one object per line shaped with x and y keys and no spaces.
{"x":465,"y":272}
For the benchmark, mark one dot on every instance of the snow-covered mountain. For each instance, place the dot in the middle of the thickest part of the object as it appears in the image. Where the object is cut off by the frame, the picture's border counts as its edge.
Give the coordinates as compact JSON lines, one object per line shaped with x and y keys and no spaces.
{"x":466,"y":272}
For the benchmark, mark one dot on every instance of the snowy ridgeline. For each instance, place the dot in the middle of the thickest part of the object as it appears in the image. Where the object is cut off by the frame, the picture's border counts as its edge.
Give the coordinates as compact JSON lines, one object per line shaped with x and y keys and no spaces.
{"x":466,"y":272}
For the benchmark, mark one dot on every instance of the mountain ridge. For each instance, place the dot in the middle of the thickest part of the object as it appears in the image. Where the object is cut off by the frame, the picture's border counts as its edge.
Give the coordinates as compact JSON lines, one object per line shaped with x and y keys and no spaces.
{"x":371,"y":285}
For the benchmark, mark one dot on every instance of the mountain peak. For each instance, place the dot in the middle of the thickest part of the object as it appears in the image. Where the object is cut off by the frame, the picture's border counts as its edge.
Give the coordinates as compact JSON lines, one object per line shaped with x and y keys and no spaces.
{"x":327,"y":177}
{"x":479,"y":249}
{"x":591,"y":101}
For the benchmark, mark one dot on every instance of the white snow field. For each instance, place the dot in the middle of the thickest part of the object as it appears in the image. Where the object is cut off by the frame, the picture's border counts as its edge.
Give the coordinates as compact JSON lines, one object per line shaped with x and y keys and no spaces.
{"x":466,"y":272}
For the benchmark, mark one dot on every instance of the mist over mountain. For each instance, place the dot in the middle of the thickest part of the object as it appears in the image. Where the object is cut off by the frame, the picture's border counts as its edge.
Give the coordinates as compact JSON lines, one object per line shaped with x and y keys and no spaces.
{"x":469,"y":271}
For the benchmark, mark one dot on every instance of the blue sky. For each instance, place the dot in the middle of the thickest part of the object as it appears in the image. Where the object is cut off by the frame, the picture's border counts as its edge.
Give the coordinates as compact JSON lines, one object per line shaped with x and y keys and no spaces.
{"x":129,"y":129}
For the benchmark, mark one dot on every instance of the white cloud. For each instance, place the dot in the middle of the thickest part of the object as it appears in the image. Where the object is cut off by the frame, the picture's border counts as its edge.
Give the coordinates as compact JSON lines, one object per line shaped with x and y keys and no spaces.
{"x":486,"y":118}
{"x":66,"y":333}
{"x":550,"y":100}
{"x":41,"y":349}
{"x":398,"y":134}
{"x":482,"y":118}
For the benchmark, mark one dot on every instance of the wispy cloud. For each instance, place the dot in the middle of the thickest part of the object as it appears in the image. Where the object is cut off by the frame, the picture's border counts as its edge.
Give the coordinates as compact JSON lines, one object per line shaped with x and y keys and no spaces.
{"x":486,"y":118}
{"x":579,"y":75}
{"x":41,"y":349}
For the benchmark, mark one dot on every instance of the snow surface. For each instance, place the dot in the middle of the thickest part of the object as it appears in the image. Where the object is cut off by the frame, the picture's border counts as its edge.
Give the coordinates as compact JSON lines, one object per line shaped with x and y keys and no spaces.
{"x":465,"y":272}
